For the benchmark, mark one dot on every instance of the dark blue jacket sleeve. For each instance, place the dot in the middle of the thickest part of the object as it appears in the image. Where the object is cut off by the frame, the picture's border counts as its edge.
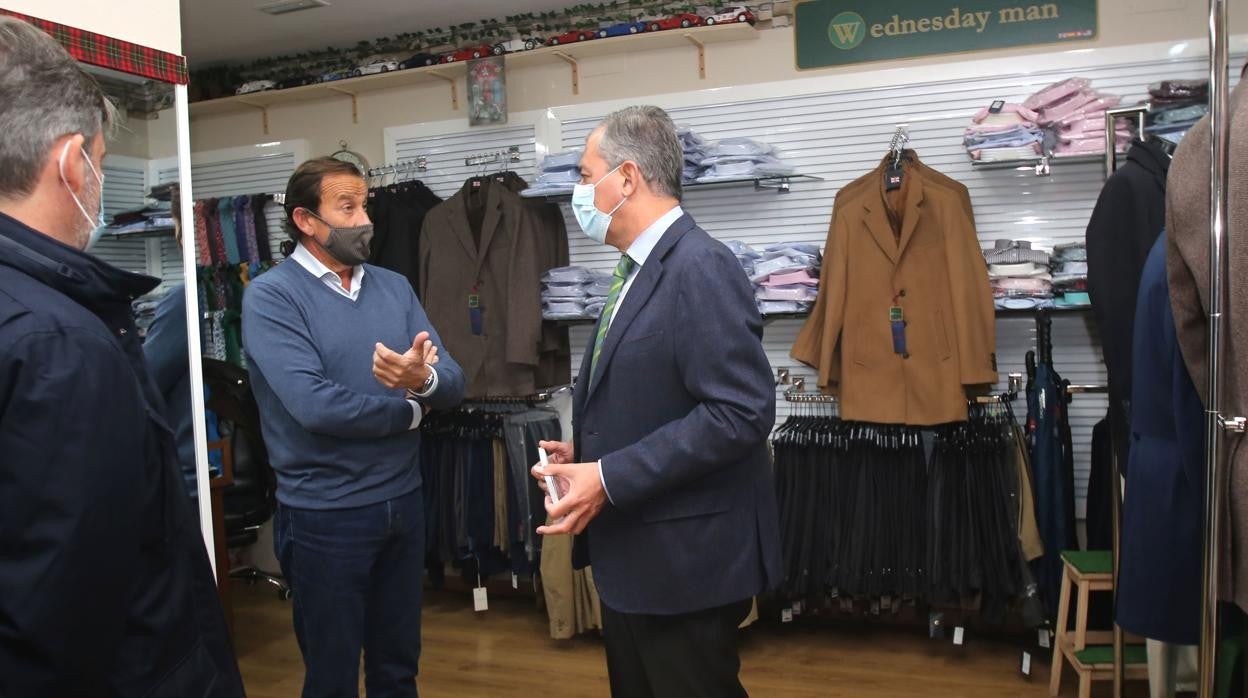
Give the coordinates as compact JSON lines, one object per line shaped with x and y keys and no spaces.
{"x":278,"y":344}
{"x":165,"y":347}
{"x":71,"y":493}
{"x":723,"y":366}
{"x":450,"y":390}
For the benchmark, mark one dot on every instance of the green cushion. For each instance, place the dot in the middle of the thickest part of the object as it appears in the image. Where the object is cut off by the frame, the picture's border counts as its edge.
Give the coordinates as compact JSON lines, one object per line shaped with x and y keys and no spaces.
{"x":1090,"y":561}
{"x":1104,"y":654}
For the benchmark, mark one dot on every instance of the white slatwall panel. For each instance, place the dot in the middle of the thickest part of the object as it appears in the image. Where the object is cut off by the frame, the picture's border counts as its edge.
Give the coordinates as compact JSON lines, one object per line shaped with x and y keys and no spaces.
{"x":124,"y":188}
{"x":445,"y":155}
{"x":260,"y":175}
{"x":841,"y":135}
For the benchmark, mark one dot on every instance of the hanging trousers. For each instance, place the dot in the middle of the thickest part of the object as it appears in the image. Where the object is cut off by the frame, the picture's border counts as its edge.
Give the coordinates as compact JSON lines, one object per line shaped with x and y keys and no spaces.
{"x":692,"y":655}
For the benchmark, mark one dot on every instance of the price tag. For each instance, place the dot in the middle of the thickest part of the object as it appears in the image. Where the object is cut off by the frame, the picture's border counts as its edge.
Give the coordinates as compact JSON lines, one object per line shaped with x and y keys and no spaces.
{"x":1045,"y":638}
{"x":786,"y":615}
{"x":515,"y":581}
{"x":797,"y":608}
{"x":1026,"y":663}
{"x":959,"y":636}
{"x":480,"y":600}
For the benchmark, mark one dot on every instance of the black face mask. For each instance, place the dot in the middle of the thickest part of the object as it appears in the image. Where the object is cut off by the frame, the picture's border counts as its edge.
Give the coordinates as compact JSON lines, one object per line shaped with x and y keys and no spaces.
{"x":348,"y":245}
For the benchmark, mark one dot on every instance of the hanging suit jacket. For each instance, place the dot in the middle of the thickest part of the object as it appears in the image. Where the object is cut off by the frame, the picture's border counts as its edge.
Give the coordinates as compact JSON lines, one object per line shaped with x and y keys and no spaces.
{"x":913,"y":248}
{"x":679,"y":411}
{"x":1187,"y":264}
{"x":1163,"y":507}
{"x":497,"y":262}
{"x":1129,"y":214}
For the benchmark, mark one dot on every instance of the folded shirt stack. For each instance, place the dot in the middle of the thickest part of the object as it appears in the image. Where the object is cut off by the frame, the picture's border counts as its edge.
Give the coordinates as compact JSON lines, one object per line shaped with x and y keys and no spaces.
{"x":785,"y":275}
{"x":1070,"y":275}
{"x":1176,"y":106}
{"x":150,"y":220}
{"x":560,"y":173}
{"x":1010,"y":133}
{"x":695,"y":150}
{"x":1073,"y":116}
{"x":1019,"y":275}
{"x":574,"y":293}
{"x":740,"y":158}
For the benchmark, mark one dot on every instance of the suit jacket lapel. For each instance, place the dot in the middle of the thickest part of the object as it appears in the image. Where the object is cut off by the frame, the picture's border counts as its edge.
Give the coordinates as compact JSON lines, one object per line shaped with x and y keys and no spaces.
{"x":910,"y":219}
{"x":493,"y":215}
{"x":458,"y":210}
{"x":638,"y":294}
{"x":876,"y":219}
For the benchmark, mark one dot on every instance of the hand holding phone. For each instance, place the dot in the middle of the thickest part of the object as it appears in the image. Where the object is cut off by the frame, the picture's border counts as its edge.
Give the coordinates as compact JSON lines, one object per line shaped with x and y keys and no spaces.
{"x":552,"y":488}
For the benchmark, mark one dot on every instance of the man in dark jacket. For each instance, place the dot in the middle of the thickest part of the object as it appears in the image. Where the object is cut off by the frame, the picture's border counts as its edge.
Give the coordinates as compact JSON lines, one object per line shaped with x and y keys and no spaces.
{"x":105,"y":585}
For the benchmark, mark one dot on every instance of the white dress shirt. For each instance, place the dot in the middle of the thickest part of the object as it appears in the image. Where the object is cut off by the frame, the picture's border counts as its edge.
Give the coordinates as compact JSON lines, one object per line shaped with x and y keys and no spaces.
{"x":330,"y":278}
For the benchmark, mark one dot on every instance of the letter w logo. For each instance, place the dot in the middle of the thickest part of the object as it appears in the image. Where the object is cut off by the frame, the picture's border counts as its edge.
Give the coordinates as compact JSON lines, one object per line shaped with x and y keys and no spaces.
{"x":847,"y":33}
{"x":847,"y":30}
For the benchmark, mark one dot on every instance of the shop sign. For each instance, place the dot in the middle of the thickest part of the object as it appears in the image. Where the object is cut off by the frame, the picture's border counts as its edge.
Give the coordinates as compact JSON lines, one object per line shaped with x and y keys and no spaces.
{"x":840,"y":32}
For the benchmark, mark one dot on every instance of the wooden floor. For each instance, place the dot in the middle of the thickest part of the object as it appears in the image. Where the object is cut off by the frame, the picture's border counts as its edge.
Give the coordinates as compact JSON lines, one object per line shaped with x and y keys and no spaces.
{"x":506,"y":651}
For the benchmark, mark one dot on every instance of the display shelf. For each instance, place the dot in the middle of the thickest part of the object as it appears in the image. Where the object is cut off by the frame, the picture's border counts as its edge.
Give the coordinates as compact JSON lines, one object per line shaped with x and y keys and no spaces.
{"x":778,"y":184}
{"x":449,"y":73}
{"x":1041,"y":165}
{"x":143,"y":235}
{"x":1030,"y":312}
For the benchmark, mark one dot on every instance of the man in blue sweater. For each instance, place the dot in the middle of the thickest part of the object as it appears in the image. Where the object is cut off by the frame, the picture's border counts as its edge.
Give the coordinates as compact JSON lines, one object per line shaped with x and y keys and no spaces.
{"x":339,"y":410}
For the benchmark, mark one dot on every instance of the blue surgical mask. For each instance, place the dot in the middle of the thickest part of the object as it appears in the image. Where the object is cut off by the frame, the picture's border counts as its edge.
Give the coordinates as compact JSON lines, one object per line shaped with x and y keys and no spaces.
{"x":594,"y":222}
{"x":97,"y":231}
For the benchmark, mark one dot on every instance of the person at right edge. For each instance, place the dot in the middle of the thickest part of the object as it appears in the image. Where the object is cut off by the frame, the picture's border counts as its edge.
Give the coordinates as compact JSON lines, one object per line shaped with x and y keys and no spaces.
{"x":668,"y":477}
{"x":105,"y":584}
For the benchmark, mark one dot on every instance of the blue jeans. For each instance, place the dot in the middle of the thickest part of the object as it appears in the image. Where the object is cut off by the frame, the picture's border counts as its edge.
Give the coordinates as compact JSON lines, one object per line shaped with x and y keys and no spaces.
{"x":356,"y":577}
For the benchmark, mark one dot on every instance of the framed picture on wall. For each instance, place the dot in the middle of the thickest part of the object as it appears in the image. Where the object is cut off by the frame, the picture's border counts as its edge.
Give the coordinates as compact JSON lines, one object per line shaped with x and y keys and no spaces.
{"x":487,"y":91}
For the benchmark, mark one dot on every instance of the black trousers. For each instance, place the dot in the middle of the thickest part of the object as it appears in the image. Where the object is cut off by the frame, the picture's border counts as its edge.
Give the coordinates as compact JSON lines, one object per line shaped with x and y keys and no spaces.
{"x":692,"y":655}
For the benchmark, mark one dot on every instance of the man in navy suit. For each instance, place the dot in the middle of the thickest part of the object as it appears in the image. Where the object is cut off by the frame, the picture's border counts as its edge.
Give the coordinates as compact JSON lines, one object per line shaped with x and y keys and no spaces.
{"x":668,"y":478}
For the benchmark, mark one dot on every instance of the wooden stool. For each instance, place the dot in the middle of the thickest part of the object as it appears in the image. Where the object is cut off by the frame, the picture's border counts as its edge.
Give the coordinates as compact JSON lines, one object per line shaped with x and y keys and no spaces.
{"x":1091,"y":654}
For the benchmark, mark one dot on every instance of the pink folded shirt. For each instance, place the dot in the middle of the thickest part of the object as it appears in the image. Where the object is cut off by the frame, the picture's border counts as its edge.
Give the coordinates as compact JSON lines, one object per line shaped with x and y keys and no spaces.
{"x":987,"y":130}
{"x":1056,"y":92}
{"x":1089,"y":110}
{"x":1023,"y":114}
{"x":798,"y":277}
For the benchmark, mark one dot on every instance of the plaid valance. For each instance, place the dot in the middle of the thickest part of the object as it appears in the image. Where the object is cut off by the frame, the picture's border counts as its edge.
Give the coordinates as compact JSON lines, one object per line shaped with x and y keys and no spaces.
{"x":107,"y":52}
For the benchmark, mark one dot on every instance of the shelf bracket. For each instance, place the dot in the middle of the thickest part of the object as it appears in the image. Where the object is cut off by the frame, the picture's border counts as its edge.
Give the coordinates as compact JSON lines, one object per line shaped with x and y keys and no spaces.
{"x":454,"y":87}
{"x":355,"y":107}
{"x":264,"y":113}
{"x":576,"y":71}
{"x":701,"y":55}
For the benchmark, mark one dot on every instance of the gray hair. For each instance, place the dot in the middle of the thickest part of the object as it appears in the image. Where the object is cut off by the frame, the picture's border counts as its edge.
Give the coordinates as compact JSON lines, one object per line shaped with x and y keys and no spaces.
{"x":44,"y":95}
{"x":647,"y":136}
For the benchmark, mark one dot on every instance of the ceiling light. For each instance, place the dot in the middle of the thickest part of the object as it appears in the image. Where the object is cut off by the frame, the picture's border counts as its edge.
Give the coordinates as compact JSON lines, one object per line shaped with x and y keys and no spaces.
{"x":282,"y":7}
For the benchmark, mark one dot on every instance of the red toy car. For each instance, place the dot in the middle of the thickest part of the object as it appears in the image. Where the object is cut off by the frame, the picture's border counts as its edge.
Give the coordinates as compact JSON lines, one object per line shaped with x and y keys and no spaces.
{"x":572,"y":37}
{"x":467,"y":54}
{"x":684,"y":20}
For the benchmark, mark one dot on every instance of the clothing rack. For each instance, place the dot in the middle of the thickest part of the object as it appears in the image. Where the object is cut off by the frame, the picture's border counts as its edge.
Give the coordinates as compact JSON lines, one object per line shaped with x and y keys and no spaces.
{"x":539,"y":397}
{"x":798,"y":394}
{"x":1139,"y":113}
{"x":1010,"y":395}
{"x":897,"y":146}
{"x":420,"y":164}
{"x":512,"y":153}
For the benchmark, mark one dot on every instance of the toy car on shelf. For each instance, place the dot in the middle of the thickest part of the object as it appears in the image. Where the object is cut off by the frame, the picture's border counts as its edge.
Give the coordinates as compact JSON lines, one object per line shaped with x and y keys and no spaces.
{"x":420,"y":60}
{"x":467,"y":54}
{"x":379,"y":65}
{"x":256,"y":86}
{"x":527,"y":43}
{"x":297,"y":81}
{"x":622,"y":29}
{"x":333,"y":75}
{"x":727,"y":15}
{"x":572,"y":37}
{"x":683,"y":20}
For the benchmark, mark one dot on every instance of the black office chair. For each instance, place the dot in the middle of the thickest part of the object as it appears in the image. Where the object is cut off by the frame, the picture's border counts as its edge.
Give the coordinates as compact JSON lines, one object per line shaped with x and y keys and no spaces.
{"x":251,"y":500}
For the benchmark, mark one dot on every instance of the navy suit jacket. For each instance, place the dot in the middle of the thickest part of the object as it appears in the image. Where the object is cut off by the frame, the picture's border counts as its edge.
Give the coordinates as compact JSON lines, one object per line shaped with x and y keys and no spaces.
{"x":679,"y":412}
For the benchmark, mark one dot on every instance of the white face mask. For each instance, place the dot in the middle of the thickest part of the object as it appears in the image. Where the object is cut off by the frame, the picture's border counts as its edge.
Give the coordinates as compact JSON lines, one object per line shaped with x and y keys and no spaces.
{"x":95,"y":224}
{"x":592,"y":221}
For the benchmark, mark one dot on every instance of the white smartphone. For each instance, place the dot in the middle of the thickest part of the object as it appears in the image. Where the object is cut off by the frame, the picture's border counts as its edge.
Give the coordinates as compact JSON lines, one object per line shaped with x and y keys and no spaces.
{"x":551,"y":488}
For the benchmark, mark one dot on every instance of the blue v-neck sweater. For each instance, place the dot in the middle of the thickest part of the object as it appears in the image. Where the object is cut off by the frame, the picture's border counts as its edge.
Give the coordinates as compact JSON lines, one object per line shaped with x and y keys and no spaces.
{"x":336,"y":437}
